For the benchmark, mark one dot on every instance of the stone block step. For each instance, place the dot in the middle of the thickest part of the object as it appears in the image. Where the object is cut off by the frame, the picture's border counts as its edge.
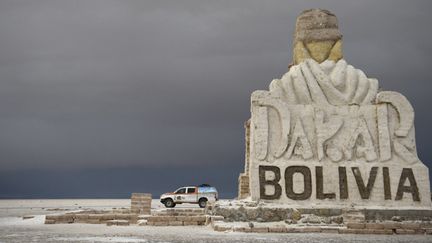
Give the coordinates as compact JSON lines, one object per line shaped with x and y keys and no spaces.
{"x":90,"y":218}
{"x":177,"y":214}
{"x":381,"y":228}
{"x":176,"y":218}
{"x":117,"y":222}
{"x":141,"y":195}
{"x":353,"y":216}
{"x":180,"y":212}
{"x":175,"y":223}
{"x":166,"y":220}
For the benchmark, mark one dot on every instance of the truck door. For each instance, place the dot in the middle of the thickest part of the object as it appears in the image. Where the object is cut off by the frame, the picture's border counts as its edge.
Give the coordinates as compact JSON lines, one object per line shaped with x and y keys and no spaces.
{"x":180,"y":195}
{"x":191,"y":195}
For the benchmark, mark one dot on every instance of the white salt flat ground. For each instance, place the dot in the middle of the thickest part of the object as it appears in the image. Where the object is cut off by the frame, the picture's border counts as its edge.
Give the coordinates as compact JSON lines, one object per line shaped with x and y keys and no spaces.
{"x":15,"y":229}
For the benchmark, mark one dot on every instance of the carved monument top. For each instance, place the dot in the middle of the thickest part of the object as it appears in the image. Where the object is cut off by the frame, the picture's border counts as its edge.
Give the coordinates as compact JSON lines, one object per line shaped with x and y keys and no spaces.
{"x":317,"y":36}
{"x":317,"y":25}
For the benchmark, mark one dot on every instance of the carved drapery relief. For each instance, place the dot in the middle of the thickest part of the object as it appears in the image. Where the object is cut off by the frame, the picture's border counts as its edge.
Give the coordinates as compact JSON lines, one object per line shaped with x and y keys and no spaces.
{"x":331,"y":111}
{"x":326,"y":83}
{"x":325,"y":134}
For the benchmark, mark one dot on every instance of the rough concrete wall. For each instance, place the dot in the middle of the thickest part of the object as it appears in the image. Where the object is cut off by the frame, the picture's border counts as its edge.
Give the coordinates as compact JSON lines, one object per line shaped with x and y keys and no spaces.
{"x":247,"y":146}
{"x":243,"y":180}
{"x":244,"y":190}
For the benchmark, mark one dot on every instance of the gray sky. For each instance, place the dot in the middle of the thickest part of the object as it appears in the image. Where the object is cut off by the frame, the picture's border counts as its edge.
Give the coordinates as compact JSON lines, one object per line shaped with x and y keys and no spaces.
{"x":90,"y":84}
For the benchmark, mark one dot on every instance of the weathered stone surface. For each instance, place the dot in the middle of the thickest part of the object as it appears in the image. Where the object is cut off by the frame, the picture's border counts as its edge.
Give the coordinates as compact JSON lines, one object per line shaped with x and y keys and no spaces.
{"x":93,"y":221}
{"x":254,"y":213}
{"x":241,"y":229}
{"x":295,"y":215}
{"x":95,"y":216}
{"x":141,"y":203}
{"x":142,"y":222}
{"x":278,"y":229}
{"x":330,"y":230}
{"x":349,"y":231}
{"x":311,"y":219}
{"x":356,"y":226}
{"x":217,"y":218}
{"x":60,"y":219}
{"x":161,"y":223}
{"x":81,"y":217}
{"x":222,"y":228}
{"x":244,"y":187}
{"x":382,"y":231}
{"x":310,"y":229}
{"x":353,"y":216}
{"x":317,"y":36}
{"x":374,"y":226}
{"x":260,"y":229}
{"x":175,"y":223}
{"x":109,"y":216}
{"x":365,"y":231}
{"x":398,"y":215}
{"x":407,"y":225}
{"x":405,"y":231}
{"x":117,"y":222}
{"x":179,"y":217}
{"x":50,"y":221}
{"x":141,"y":195}
{"x":426,"y":225}
{"x":391,"y":225}
{"x":368,"y":228}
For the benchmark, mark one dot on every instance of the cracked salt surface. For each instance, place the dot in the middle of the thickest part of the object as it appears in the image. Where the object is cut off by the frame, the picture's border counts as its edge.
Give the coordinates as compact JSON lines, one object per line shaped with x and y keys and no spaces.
{"x":14,"y":229}
{"x":101,"y":239}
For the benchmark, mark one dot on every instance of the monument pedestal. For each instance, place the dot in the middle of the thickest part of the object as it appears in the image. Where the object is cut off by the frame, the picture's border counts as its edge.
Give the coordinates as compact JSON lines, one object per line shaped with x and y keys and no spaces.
{"x":251,"y":216}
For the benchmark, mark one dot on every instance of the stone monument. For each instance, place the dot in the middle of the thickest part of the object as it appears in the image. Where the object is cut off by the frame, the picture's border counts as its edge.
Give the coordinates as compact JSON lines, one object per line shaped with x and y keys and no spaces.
{"x":326,"y":135}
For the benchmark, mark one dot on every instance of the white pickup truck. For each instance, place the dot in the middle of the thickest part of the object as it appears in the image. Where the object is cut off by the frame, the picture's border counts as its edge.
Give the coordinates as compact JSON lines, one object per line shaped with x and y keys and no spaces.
{"x":190,"y":194}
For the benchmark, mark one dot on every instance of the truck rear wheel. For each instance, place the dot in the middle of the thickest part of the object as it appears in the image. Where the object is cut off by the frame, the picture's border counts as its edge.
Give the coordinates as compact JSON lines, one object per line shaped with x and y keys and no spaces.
{"x":169,"y":203}
{"x":202,"y":202}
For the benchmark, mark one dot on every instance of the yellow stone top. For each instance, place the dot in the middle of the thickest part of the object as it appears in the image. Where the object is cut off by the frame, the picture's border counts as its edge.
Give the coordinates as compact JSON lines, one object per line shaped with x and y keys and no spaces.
{"x":317,"y":36}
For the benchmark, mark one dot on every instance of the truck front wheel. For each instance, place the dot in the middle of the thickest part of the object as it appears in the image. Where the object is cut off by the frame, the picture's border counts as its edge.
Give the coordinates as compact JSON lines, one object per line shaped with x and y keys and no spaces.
{"x":202,"y":202}
{"x":169,"y":203}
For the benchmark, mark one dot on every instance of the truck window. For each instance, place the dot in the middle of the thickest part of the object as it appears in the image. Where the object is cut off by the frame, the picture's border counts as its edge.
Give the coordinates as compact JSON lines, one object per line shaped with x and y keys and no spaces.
{"x":191,"y":190}
{"x":181,"y":191}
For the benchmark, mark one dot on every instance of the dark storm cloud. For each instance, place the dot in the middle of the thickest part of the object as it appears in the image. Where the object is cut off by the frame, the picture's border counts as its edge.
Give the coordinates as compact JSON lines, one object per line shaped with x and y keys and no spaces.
{"x":87,"y":84}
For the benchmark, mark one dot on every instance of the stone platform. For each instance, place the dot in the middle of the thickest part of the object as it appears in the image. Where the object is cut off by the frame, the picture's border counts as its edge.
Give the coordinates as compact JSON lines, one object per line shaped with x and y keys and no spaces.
{"x":165,"y":217}
{"x":249,"y":216}
{"x":139,"y":214}
{"x":140,"y":205}
{"x":92,"y":217}
{"x":243,"y":211}
{"x":177,"y":217}
{"x":386,"y":228}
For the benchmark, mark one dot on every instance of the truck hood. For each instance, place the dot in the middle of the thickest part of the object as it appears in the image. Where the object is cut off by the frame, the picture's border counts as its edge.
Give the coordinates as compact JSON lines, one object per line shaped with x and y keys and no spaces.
{"x":165,"y":195}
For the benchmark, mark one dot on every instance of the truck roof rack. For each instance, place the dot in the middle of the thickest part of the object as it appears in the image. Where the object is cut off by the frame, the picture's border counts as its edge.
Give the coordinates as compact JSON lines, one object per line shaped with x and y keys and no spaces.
{"x":204,"y":185}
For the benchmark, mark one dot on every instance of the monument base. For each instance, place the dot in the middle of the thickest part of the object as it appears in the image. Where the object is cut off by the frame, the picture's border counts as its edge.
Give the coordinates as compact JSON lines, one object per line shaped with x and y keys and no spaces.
{"x":250,"y":216}
{"x":246,"y":211}
{"x":386,"y":228}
